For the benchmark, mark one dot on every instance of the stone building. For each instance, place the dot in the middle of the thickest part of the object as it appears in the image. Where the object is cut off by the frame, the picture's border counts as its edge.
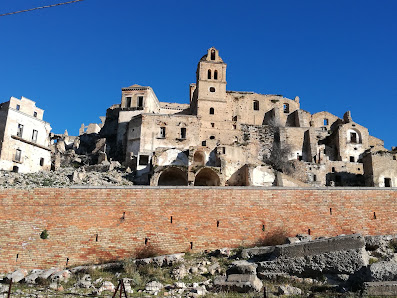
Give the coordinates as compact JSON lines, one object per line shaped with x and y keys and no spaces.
{"x":238,"y":138}
{"x":24,"y":137}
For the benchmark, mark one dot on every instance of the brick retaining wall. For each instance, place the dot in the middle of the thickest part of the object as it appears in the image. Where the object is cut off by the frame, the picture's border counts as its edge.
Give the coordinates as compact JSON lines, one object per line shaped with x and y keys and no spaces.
{"x":86,"y":225}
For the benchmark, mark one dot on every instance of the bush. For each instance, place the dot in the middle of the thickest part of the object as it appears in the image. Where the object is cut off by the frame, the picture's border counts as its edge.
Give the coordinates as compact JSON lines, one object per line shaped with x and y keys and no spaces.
{"x":148,"y":251}
{"x":44,"y":234}
{"x":275,"y":237}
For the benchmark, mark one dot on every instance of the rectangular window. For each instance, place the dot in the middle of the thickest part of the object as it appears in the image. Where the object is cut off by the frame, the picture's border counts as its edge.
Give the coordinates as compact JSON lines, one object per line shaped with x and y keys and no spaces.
{"x":353,"y":137}
{"x":140,"y":101}
{"x":387,"y":182}
{"x":41,"y":162}
{"x":351,"y":158}
{"x":128,"y":102}
{"x":212,"y":124}
{"x":183,"y":133}
{"x":18,"y":154}
{"x":143,"y":160}
{"x":34,"y":136}
{"x":35,"y":114}
{"x":286,"y":108}
{"x":20,"y":130}
{"x":162,"y":132}
{"x":325,"y":121}
{"x":18,"y":107}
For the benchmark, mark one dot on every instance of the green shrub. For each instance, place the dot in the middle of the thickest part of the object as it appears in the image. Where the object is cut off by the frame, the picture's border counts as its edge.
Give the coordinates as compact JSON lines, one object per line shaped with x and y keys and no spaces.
{"x":44,"y":234}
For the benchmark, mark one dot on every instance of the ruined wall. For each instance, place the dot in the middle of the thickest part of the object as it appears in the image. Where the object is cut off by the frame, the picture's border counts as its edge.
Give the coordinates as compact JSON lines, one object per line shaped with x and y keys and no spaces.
{"x":93,"y":225}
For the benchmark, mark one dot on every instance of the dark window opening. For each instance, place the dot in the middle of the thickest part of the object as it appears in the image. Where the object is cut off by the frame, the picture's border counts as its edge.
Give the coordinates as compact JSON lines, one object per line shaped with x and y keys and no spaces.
{"x":212,"y":137}
{"x":204,"y":143}
{"x":212,"y":124}
{"x":34,"y":136}
{"x":333,"y":169}
{"x":314,"y":178}
{"x":286,"y":108}
{"x":234,"y":118}
{"x":18,"y":154}
{"x":256,"y":105}
{"x":128,"y":102}
{"x":300,"y":157}
{"x":215,"y":75}
{"x":212,"y":111}
{"x":353,"y":137}
{"x":387,"y":182}
{"x":162,"y":132}
{"x":209,"y":74}
{"x":183,"y":133}
{"x":20,"y":130}
{"x":143,"y":160}
{"x":41,"y":162}
{"x":234,"y":126}
{"x":394,"y":157}
{"x":212,"y":54}
{"x":35,"y":114}
{"x":351,"y":158}
{"x":18,"y":107}
{"x":212,"y":89}
{"x":325,"y":122}
{"x":140,"y":101}
{"x":15,"y":169}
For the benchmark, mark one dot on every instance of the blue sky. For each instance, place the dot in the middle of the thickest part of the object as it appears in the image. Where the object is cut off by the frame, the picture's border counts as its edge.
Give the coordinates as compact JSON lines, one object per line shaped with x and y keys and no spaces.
{"x":74,"y":59}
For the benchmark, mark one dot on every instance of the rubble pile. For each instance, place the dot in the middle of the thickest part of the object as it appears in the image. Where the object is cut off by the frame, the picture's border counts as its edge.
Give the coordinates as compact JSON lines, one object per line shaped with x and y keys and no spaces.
{"x":104,"y":174}
{"x":344,"y":265}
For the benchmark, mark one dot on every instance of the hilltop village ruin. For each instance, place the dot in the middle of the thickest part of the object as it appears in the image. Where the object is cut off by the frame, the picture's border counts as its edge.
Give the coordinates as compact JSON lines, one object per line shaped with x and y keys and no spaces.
{"x":221,"y":138}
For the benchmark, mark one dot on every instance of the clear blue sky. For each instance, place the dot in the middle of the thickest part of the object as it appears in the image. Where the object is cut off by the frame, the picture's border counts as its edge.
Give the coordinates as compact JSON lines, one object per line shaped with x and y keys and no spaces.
{"x":74,"y":59}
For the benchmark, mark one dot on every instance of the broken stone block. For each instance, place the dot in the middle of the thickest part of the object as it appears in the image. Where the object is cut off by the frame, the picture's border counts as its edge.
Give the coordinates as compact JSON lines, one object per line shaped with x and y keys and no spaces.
{"x":242,"y":283}
{"x":382,"y":288}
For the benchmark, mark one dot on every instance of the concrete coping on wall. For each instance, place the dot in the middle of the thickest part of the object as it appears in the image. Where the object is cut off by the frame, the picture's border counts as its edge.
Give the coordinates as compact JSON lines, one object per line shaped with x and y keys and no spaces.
{"x":231,"y":187}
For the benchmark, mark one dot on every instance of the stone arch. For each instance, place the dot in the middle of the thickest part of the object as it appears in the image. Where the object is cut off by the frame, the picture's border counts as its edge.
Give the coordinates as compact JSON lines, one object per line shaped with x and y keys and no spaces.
{"x":207,"y":177}
{"x":173,"y":177}
{"x":199,"y":158}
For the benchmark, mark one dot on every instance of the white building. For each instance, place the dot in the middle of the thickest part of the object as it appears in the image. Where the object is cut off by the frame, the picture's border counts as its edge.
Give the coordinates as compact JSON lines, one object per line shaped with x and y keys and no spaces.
{"x":24,"y":137}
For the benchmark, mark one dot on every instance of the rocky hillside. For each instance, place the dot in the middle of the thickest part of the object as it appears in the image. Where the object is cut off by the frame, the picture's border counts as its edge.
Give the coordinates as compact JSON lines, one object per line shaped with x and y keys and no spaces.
{"x":328,"y":267}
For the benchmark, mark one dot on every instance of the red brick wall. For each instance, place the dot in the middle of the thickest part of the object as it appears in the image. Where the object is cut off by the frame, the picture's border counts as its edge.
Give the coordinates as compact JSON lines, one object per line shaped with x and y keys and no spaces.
{"x":73,"y":218}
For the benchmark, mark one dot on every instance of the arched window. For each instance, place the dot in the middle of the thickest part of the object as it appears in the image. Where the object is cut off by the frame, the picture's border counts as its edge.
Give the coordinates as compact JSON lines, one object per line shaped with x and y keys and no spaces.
{"x":215,"y":75}
{"x":212,"y":89}
{"x":211,"y":111}
{"x":212,"y":54}
{"x":256,"y":105}
{"x":209,"y":74}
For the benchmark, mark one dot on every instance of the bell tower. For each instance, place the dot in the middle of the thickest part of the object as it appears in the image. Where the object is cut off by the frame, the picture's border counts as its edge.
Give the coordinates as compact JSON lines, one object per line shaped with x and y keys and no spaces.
{"x":210,"y":82}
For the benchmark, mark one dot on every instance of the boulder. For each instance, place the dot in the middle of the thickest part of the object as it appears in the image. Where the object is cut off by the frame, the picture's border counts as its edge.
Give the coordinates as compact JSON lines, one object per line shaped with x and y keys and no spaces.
{"x":107,"y":286}
{"x":383,"y":271}
{"x":242,"y":283}
{"x":17,"y":275}
{"x":153,"y":287}
{"x":242,"y":267}
{"x":33,"y":275}
{"x":288,"y":290}
{"x":61,"y":276}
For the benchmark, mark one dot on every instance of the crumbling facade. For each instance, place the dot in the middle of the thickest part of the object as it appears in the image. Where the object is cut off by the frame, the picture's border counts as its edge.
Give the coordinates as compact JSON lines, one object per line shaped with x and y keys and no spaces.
{"x":24,"y":137}
{"x":237,"y":138}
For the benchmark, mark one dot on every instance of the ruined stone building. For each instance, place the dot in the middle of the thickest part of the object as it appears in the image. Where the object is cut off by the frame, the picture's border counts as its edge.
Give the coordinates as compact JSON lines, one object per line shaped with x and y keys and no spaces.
{"x":24,"y":137}
{"x":240,"y":138}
